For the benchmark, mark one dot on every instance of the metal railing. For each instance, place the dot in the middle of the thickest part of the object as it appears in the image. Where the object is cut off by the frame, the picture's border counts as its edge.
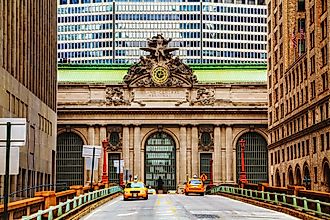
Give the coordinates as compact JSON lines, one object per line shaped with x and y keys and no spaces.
{"x":302,"y":204}
{"x":62,"y":210}
{"x":30,"y":191}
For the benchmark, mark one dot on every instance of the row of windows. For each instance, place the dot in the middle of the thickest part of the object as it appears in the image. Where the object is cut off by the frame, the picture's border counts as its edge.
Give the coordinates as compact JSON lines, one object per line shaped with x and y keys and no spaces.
{"x":17,"y":106}
{"x":301,"y":149}
{"x":217,"y":54}
{"x":133,"y":60}
{"x":45,"y":125}
{"x":160,"y":17}
{"x":84,"y":9}
{"x":316,"y":115}
{"x":152,"y":26}
{"x":107,"y":44}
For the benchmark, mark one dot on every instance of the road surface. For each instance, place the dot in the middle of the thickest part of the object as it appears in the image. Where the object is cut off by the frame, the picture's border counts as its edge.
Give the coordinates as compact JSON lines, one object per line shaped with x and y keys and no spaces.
{"x":182,"y":207}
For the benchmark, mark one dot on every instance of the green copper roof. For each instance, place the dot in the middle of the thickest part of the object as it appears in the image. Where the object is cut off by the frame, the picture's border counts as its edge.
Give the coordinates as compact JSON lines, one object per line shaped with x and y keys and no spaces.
{"x":207,"y":74}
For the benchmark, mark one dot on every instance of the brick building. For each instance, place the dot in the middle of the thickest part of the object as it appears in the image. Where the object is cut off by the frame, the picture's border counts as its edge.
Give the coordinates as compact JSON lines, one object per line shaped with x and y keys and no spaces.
{"x":28,"y":76}
{"x":298,"y":44}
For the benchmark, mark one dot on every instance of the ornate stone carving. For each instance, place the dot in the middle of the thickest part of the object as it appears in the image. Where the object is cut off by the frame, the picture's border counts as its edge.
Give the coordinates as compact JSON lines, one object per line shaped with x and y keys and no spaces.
{"x":159,"y":68}
{"x":204,"y":97}
{"x":115,"y":138}
{"x":205,"y":134}
{"x":135,"y":101}
{"x":115,"y":96}
{"x":187,"y":100}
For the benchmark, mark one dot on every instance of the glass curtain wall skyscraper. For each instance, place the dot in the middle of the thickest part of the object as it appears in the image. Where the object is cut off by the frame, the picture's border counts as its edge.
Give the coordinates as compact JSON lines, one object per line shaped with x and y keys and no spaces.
{"x":207,"y":32}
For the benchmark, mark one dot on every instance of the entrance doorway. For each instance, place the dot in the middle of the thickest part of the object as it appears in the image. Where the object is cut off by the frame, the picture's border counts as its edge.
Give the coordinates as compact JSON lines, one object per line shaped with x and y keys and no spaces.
{"x":160,"y":161}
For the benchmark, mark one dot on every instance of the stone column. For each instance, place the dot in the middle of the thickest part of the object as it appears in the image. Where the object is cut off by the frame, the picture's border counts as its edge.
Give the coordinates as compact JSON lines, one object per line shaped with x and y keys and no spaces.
{"x":217,"y":156}
{"x":131,"y":150}
{"x":229,"y":154}
{"x":126,"y":147}
{"x":194,"y":150}
{"x":137,"y":151}
{"x":183,"y":154}
{"x":223,"y":154}
{"x":189,"y":152}
{"x":91,"y":135}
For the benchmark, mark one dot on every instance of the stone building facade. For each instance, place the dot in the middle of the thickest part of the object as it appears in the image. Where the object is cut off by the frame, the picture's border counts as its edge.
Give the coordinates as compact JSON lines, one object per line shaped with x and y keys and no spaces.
{"x":298,"y":88}
{"x":161,"y":122}
{"x":28,"y":75}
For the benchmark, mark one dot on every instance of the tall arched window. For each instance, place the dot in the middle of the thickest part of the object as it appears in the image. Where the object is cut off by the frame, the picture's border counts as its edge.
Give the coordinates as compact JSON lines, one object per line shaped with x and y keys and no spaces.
{"x":290,"y":175}
{"x":326,"y":174}
{"x":255,"y":157}
{"x":69,"y":160}
{"x":298,"y":176}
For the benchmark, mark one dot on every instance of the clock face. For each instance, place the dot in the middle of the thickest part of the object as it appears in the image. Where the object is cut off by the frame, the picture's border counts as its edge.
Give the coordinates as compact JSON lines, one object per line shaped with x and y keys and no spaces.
{"x":160,"y":75}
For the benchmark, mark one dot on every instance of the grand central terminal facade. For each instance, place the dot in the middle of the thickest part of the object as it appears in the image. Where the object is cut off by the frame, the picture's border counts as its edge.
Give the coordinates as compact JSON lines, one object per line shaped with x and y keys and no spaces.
{"x":161,"y":120}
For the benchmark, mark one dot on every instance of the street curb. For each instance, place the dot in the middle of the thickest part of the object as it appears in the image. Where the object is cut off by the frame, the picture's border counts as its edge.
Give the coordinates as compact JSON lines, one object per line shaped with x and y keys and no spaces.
{"x":277,"y":208}
{"x":90,"y":207}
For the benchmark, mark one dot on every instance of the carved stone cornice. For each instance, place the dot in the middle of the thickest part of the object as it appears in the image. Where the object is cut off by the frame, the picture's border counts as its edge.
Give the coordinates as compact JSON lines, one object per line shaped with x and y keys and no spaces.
{"x":204,"y":97}
{"x":115,"y":96}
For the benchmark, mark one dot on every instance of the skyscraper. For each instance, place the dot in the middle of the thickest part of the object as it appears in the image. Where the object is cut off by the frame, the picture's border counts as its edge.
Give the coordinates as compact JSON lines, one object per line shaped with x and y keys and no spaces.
{"x":298,"y":44}
{"x":208,"y":32}
{"x":28,"y":75}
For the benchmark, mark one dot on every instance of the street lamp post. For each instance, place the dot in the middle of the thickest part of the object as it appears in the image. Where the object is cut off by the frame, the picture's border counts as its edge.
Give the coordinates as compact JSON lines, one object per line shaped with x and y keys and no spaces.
{"x":242,"y":177}
{"x":104,"y":173}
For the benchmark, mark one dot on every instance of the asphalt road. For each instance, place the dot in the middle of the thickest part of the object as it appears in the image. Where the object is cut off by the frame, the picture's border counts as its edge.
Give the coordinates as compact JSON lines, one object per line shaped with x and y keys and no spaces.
{"x":182,"y":207}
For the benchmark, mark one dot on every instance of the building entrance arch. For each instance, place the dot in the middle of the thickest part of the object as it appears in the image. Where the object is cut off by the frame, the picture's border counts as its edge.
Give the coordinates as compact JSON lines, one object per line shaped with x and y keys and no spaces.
{"x":160,"y":161}
{"x":255,"y":157}
{"x":69,"y":160}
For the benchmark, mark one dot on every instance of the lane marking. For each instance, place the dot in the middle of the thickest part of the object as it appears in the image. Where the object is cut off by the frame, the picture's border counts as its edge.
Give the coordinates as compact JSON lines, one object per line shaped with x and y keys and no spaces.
{"x":127,"y":214}
{"x":99,"y":209}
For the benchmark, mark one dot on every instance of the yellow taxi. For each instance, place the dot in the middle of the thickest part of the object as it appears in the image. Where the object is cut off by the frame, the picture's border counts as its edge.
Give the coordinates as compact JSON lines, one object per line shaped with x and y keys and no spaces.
{"x":195,"y":185}
{"x":135,"y":189}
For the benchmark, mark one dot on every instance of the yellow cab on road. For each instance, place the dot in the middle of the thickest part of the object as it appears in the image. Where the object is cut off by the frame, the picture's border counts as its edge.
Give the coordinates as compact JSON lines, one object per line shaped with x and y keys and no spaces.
{"x":194,"y":185}
{"x":135,"y":189}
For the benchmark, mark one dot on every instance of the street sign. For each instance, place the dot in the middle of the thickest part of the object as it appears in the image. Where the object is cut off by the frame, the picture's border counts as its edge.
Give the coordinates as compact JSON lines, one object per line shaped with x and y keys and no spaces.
{"x":88,"y":161}
{"x":13,"y":161}
{"x":203,"y":177}
{"x":17,"y":134}
{"x":88,"y":151}
{"x":12,"y":133}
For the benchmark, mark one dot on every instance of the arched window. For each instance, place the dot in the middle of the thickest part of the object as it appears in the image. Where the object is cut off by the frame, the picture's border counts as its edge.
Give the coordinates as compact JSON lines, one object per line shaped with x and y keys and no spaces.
{"x":307,"y":177}
{"x":255,"y":157}
{"x":69,"y":160}
{"x":160,"y":161}
{"x":278,"y":178}
{"x":326,"y":174}
{"x":298,"y":176}
{"x":290,"y":176}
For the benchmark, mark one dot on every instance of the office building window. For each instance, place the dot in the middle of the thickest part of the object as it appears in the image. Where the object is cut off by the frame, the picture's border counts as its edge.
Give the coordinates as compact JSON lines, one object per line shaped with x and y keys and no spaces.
{"x":301,"y":5}
{"x":325,"y":81}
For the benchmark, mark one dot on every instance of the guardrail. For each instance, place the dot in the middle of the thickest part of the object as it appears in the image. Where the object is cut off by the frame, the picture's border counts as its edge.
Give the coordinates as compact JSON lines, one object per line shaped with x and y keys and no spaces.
{"x":318,"y":208}
{"x":64,"y":208}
